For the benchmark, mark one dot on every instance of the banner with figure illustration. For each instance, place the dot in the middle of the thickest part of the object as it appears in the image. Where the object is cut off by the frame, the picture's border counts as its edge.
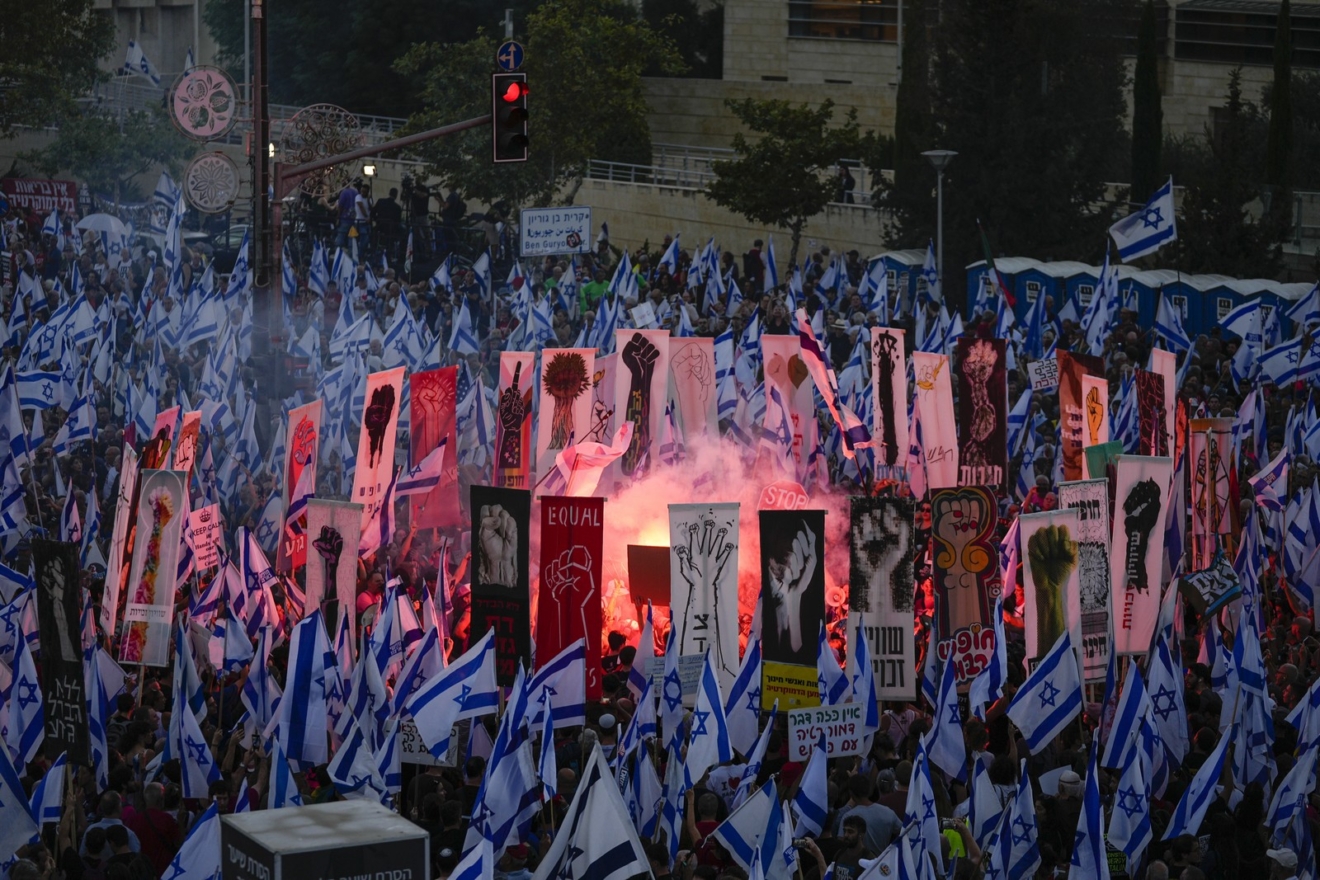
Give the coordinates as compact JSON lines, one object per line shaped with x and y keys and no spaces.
{"x":568,"y":603}
{"x":692,"y":372}
{"x":640,"y":395}
{"x":513,"y":420}
{"x":889,"y":404}
{"x":1211,"y":445}
{"x":965,"y":576}
{"x":375,"y":451}
{"x":785,"y":372}
{"x":1090,"y":498}
{"x":1095,"y":406}
{"x":703,"y":583}
{"x":162,"y":508}
{"x":1051,"y":605}
{"x":982,"y":414}
{"x":185,"y":448}
{"x":333,"y":531}
{"x":882,"y":590}
{"x":304,"y":450}
{"x":501,"y":591}
{"x":792,"y":605}
{"x":939,"y":428}
{"x":1072,"y":407}
{"x":59,"y":609}
{"x":431,"y":421}
{"x":564,"y":410}
{"x":1137,"y":548}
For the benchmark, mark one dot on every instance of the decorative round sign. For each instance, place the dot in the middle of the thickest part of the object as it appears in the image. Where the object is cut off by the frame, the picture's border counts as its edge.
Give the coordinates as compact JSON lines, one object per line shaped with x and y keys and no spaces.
{"x":211,"y":182}
{"x":317,"y":132}
{"x":203,"y":103}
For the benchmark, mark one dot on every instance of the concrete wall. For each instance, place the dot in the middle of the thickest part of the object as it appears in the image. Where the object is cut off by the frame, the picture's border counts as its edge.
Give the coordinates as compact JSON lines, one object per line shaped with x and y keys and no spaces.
{"x":640,"y":212}
{"x":163,"y":28}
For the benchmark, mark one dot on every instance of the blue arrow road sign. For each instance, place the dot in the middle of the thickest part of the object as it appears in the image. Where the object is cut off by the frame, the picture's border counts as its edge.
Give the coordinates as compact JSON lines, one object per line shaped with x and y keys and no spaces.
{"x":510,"y":56}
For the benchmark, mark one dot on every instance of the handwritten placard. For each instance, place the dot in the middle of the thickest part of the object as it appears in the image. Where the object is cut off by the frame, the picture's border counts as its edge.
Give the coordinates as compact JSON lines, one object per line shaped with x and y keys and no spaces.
{"x":1044,"y":374}
{"x":842,"y":727}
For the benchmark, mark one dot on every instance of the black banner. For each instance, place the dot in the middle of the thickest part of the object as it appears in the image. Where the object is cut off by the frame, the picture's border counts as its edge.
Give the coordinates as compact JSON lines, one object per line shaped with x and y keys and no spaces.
{"x":982,"y":413}
{"x":882,"y":589}
{"x":501,"y":594}
{"x":792,"y":585}
{"x":59,"y":609}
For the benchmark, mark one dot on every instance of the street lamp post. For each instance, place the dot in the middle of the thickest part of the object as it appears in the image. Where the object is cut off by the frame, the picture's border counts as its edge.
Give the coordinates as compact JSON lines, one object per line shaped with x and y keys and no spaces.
{"x":940,"y":159}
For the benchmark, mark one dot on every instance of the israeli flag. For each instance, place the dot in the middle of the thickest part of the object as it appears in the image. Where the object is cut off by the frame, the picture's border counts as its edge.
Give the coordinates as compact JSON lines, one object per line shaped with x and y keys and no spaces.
{"x":830,"y":680}
{"x":1148,"y":229}
{"x":988,"y":685}
{"x":708,"y":743}
{"x":771,"y":267}
{"x":1050,"y":698}
{"x":1305,"y":311}
{"x":1089,"y":861}
{"x":39,"y":390}
{"x":1168,"y":324}
{"x":1200,"y":793}
{"x":1129,"y":823}
{"x":199,"y":857}
{"x":596,"y":838}
{"x":466,"y":689}
{"x":25,"y":728}
{"x":811,"y":804}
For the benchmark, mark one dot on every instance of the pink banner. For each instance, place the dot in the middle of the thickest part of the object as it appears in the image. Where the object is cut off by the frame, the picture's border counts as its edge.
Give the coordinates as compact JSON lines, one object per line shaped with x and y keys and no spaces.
{"x":434,"y":396}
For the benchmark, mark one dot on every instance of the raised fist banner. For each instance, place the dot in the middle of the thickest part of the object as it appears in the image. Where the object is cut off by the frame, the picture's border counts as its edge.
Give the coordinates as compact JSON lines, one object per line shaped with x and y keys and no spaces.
{"x":568,"y":604}
{"x":501,"y":597}
{"x":1137,"y":549}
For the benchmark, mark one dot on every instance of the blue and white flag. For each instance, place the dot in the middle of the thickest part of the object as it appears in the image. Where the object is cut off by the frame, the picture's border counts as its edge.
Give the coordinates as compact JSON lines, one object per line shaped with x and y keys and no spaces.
{"x":510,"y":793}
{"x":1089,"y":861}
{"x":811,"y":804}
{"x":771,"y":267}
{"x":1281,"y":363}
{"x":640,"y":671}
{"x":861,"y":675}
{"x":1050,"y":698}
{"x":920,"y":807}
{"x":546,"y":767}
{"x":1021,"y":834}
{"x":745,"y":831}
{"x":988,"y":685}
{"x":25,"y":727}
{"x":283,"y":784}
{"x":830,"y":680}
{"x":1166,"y":696}
{"x":1200,"y":792}
{"x":754,"y":761}
{"x":424,"y":477}
{"x":200,"y":857}
{"x":1129,"y":823}
{"x":1290,"y":797}
{"x":1169,"y":325}
{"x":477,"y":863}
{"x":40,"y":390}
{"x":301,"y":723}
{"x":1305,"y":717}
{"x":353,"y":769}
{"x":1148,"y":229}
{"x":135,"y":62}
{"x":944,"y":741}
{"x":596,"y":838}
{"x":1133,"y":710}
{"x":466,"y":689}
{"x":197,"y":766}
{"x":708,"y":743}
{"x":561,"y":684}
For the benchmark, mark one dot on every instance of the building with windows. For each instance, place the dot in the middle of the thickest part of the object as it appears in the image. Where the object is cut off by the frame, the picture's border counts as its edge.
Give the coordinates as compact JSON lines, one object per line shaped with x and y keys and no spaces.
{"x":164,"y":29}
{"x":849,"y":50}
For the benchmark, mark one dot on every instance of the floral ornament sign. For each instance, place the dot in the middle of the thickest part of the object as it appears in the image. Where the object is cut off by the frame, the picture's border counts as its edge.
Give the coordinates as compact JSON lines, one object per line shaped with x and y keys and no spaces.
{"x":211,"y":182}
{"x":203,"y":103}
{"x":154,"y":574}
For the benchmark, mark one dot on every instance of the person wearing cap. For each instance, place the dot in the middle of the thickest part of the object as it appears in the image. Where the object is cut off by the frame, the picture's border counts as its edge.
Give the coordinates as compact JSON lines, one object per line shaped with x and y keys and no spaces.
{"x":1283,"y":864}
{"x":513,"y":864}
{"x":609,"y":739}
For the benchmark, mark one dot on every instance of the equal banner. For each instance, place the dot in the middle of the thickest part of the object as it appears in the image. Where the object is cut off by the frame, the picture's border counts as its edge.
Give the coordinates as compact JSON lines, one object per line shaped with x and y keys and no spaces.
{"x":982,"y":414}
{"x":1211,"y":444}
{"x":513,"y":420}
{"x":501,"y":592}
{"x":881,"y":590}
{"x":939,"y":429}
{"x":785,"y":371}
{"x":1140,"y":511}
{"x":569,"y":600}
{"x":162,"y":508}
{"x":692,"y":370}
{"x":59,"y":601}
{"x":117,"y":563}
{"x":375,"y":452}
{"x":333,"y":527}
{"x":304,"y":449}
{"x":792,"y":605}
{"x":1072,"y":407}
{"x":1090,"y":498}
{"x":703,"y":583}
{"x":433,"y":396}
{"x":1050,"y":581}
{"x":889,"y":387}
{"x":640,"y":394}
{"x":565,"y":405}
{"x":965,"y":576}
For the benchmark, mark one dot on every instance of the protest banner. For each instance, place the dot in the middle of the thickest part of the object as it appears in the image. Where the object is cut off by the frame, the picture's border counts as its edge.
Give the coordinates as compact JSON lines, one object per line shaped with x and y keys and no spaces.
{"x":303,"y":433}
{"x":640,"y":395}
{"x":881,"y":590}
{"x":965,"y":576}
{"x":513,"y":420}
{"x":116,"y":569}
{"x":569,"y":599}
{"x":501,"y":591}
{"x":792,"y":605}
{"x":375,"y":452}
{"x":566,"y":402}
{"x":1137,"y":549}
{"x":332,"y":528}
{"x":208,"y":528}
{"x":1044,"y":374}
{"x":842,"y":726}
{"x":703,"y":579}
{"x":1072,"y":407}
{"x":1051,"y":604}
{"x":59,"y":609}
{"x":939,"y":428}
{"x":152,"y":579}
{"x":432,"y":419}
{"x":1090,"y":498}
{"x":982,"y":413}
{"x":889,"y":403}
{"x":692,"y":373}
{"x":785,"y":372}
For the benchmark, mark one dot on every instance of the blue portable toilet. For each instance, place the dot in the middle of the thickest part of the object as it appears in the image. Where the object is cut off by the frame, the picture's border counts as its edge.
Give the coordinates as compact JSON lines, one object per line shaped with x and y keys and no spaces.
{"x":1012,"y":269}
{"x":1146,"y":287}
{"x":904,"y":271}
{"x":1064,"y":275}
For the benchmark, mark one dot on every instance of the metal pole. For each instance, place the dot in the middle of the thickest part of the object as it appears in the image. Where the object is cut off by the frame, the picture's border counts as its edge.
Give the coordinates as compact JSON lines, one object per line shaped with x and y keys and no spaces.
{"x":939,"y":228}
{"x":247,"y":53}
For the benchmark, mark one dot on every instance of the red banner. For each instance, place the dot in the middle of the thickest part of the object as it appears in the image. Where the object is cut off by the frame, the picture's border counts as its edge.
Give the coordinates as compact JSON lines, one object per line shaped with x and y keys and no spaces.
{"x":434,"y":395}
{"x":303,"y":433}
{"x":568,"y":606}
{"x":42,"y":196}
{"x":1072,"y":367}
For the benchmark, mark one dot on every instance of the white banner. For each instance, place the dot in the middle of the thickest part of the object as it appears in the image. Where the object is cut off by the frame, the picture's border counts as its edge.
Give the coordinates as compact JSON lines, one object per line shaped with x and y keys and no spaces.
{"x":115,"y":564}
{"x":208,"y":528}
{"x":692,"y":373}
{"x":1044,"y":374}
{"x":1140,"y":510}
{"x":640,"y":394}
{"x":889,"y":390}
{"x":375,"y":452}
{"x":842,"y":726}
{"x":564,"y":410}
{"x":939,"y":428}
{"x":1051,"y":604}
{"x":1090,"y":498}
{"x":543,"y":231}
{"x":703,"y":583}
{"x":162,"y":508}
{"x":785,"y":371}
{"x":881,"y":590}
{"x":334,"y":529}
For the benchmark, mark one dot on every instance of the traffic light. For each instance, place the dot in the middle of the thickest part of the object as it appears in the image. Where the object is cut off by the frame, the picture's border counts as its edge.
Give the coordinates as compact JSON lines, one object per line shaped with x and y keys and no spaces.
{"x":509,"y":117}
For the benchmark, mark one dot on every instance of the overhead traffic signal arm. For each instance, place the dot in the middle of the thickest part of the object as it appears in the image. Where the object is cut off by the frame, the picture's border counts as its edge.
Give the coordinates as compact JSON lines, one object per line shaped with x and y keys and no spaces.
{"x":508,"y":95}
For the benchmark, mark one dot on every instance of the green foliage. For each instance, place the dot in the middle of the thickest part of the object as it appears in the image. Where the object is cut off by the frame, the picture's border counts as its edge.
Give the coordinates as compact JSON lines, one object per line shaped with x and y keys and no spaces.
{"x":343,"y":51}
{"x":108,"y":154}
{"x":1216,"y":232}
{"x":584,"y":66}
{"x":1147,"y":114}
{"x":780,"y":179}
{"x":698,"y":37}
{"x":909,"y":195}
{"x":48,"y":56}
{"x":1031,"y":97}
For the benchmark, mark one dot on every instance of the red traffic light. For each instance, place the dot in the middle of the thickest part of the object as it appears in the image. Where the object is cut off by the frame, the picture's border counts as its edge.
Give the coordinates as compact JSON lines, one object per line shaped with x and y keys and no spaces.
{"x":515,"y":92}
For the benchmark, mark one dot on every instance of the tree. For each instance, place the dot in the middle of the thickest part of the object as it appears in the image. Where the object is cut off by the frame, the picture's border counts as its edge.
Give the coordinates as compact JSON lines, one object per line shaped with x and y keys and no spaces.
{"x":909,"y":194}
{"x":698,"y":36}
{"x":108,"y":153}
{"x":1031,"y":97}
{"x":781,"y":180}
{"x":1147,"y":114}
{"x":1279,"y":147}
{"x":49,"y":58}
{"x":1216,"y":232}
{"x":584,"y":68}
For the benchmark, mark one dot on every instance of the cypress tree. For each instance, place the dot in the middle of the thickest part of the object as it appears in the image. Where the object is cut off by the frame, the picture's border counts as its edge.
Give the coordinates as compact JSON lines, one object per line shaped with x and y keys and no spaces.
{"x":1147,"y":115}
{"x":1278,"y":149}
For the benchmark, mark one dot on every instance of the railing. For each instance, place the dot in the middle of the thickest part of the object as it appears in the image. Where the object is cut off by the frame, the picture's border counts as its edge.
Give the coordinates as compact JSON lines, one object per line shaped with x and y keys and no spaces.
{"x":692,"y":178}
